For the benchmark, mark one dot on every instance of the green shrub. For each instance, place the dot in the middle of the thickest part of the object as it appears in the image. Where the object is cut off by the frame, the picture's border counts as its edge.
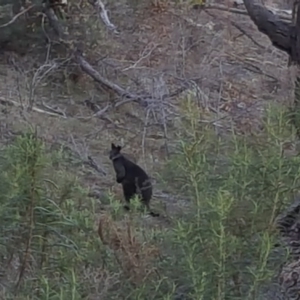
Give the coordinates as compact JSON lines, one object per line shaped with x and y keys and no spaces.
{"x":47,"y":235}
{"x":235,"y":186}
{"x":220,"y":244}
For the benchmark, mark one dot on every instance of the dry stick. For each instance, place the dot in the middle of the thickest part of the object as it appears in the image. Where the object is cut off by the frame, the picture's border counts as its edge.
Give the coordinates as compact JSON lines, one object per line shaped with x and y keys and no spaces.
{"x":48,"y":39}
{"x":8,"y":101}
{"x":17,"y":16}
{"x":144,"y":132}
{"x":36,"y":79}
{"x":144,"y":55}
{"x":98,"y":112}
{"x":89,"y":161}
{"x":58,"y":111}
{"x":100,"y":8}
{"x":86,"y":67}
{"x":165,"y":130}
{"x":92,"y":164}
{"x":102,"y":111}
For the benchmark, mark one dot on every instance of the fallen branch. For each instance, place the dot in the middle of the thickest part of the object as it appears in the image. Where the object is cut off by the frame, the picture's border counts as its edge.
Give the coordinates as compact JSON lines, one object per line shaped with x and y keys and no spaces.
{"x":17,"y":16}
{"x":17,"y":104}
{"x":100,"y":8}
{"x":86,"y":67}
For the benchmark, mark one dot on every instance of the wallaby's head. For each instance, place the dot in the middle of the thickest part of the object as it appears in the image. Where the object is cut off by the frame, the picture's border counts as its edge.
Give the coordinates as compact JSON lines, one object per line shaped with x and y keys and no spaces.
{"x":114,"y":152}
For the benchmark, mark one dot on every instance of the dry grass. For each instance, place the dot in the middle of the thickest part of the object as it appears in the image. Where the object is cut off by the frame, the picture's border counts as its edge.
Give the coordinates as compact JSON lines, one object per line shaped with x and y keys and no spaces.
{"x":134,"y":256}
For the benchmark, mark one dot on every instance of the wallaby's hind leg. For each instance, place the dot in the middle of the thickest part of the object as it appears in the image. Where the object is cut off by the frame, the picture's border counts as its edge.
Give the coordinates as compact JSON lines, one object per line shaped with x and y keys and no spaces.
{"x":128,"y":191}
{"x":153,"y":214}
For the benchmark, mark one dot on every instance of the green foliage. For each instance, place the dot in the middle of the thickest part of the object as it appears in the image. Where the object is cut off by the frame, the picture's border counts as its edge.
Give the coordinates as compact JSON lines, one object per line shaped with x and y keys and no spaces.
{"x":219,"y":246}
{"x":46,"y":229}
{"x":235,"y":187}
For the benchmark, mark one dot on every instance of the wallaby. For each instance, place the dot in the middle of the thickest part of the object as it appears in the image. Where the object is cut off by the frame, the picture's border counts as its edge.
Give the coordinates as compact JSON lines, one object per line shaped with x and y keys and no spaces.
{"x":133,"y":178}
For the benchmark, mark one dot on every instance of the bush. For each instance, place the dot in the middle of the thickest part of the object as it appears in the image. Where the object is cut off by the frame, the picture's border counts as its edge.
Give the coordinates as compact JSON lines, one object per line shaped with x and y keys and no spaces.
{"x":47,"y":230}
{"x":236,"y":186}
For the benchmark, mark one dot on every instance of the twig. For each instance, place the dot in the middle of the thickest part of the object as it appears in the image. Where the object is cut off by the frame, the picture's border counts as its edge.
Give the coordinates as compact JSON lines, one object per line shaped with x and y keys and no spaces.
{"x":58,"y":111}
{"x":87,"y":160}
{"x":92,"y":164}
{"x":37,"y":77}
{"x":144,"y":133}
{"x":98,"y":112}
{"x":145,"y":54}
{"x":102,"y":111}
{"x":17,"y":16}
{"x":100,"y":8}
{"x":164,"y":123}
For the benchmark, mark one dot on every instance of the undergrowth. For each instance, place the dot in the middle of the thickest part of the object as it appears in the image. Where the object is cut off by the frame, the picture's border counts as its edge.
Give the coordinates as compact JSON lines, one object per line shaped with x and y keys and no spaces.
{"x":56,"y":243}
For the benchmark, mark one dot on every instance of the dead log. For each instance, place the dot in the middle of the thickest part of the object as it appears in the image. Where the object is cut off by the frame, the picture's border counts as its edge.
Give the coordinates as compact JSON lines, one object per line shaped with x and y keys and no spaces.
{"x":286,"y":37}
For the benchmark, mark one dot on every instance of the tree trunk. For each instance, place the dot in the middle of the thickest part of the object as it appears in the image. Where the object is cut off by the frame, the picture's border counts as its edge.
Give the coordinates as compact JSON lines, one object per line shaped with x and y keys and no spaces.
{"x":285,"y":37}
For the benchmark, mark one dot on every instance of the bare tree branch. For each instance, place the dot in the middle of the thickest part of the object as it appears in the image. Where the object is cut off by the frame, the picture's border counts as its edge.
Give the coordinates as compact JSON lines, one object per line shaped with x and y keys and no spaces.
{"x":100,"y":8}
{"x":17,"y":16}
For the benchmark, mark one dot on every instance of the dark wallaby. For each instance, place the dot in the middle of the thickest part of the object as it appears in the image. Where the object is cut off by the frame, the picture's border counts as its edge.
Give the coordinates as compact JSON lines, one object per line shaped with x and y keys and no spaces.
{"x":133,"y":178}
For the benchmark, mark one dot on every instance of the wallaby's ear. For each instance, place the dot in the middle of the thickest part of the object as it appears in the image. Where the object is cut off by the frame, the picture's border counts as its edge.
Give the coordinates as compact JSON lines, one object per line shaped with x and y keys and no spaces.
{"x":113,"y":146}
{"x":119,"y":148}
